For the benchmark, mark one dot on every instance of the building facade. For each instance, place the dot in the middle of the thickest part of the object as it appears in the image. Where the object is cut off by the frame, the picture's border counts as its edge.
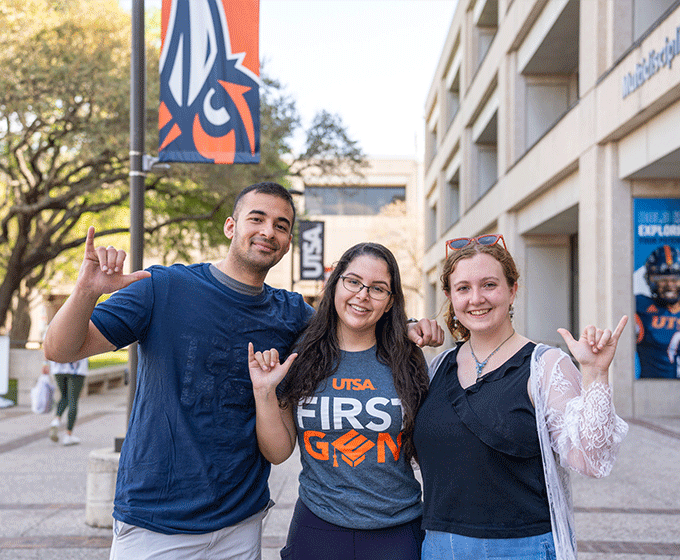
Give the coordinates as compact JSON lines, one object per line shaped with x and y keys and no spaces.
{"x":383,"y":205}
{"x":548,"y":121}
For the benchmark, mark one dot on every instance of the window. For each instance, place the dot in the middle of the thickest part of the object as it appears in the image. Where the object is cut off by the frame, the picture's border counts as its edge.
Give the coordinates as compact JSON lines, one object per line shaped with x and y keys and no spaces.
{"x":453,"y":99}
{"x":549,"y":63}
{"x":430,"y":144}
{"x":485,"y":17}
{"x":431,"y":232}
{"x":646,"y":13}
{"x":546,"y":103}
{"x":350,"y":201}
{"x":485,"y":149}
{"x":453,"y":200}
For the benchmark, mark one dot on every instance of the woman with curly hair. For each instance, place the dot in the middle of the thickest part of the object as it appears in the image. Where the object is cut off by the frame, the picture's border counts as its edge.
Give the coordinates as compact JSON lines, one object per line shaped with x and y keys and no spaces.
{"x":350,"y":398}
{"x":506,"y":417}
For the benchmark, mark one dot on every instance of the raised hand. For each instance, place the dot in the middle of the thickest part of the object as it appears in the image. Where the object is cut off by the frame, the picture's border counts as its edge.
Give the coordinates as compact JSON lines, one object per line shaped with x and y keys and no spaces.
{"x":595,"y":349}
{"x":102,"y":268}
{"x":266,"y":371}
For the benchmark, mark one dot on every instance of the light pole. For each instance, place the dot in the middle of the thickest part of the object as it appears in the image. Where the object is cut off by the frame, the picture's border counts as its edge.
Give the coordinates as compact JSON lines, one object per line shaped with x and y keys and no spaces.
{"x":137,"y":172}
{"x":293,"y":192}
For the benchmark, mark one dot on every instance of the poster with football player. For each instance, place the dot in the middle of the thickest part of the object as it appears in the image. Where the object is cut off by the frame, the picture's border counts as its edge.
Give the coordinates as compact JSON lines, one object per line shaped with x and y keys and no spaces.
{"x":656,"y":284}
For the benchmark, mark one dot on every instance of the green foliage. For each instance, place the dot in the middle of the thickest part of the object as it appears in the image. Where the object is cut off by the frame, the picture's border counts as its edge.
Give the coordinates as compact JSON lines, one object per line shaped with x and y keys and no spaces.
{"x":64,"y":146}
{"x":108,"y":359}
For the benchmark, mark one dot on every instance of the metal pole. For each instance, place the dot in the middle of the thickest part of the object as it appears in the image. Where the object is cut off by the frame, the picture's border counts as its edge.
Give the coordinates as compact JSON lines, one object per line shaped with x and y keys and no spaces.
{"x":137,"y":174}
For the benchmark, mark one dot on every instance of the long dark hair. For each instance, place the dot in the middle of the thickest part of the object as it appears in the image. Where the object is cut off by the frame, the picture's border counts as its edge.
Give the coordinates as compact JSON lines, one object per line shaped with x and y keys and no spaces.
{"x":319,"y":350}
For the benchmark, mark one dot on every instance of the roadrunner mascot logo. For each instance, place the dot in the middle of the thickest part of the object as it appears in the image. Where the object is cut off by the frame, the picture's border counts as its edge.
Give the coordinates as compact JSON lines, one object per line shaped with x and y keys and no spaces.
{"x":209,"y":78}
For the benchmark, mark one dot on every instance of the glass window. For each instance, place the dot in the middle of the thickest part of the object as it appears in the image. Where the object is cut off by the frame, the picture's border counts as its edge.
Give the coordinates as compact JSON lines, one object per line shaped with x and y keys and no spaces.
{"x":350,"y":201}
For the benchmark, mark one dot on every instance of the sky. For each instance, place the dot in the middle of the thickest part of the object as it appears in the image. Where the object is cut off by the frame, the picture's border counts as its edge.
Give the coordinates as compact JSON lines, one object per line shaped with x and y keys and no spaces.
{"x":369,"y":61}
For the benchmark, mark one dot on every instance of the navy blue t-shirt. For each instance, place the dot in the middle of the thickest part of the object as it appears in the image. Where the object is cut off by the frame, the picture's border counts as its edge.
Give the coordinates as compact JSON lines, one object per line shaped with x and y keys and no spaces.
{"x":190,"y":462}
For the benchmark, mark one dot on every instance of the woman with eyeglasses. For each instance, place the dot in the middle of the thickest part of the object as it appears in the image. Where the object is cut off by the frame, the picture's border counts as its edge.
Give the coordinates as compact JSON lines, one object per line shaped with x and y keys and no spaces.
{"x":350,"y":400}
{"x":498,"y":406}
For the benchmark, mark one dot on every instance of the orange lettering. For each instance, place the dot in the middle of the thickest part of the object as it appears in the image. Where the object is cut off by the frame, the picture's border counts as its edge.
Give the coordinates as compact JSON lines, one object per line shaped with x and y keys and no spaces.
{"x":386,"y":439}
{"x":657,"y":322}
{"x":353,"y":384}
{"x":341,"y":385}
{"x":322,"y":454}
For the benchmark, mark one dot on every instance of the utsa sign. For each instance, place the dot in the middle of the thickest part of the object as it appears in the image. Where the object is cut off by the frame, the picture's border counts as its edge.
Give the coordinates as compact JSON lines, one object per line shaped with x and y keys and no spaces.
{"x":311,"y":250}
{"x":209,"y":81}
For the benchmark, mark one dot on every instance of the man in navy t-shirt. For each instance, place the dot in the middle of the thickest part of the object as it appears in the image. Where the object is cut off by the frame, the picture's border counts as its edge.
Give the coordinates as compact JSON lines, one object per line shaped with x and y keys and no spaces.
{"x":190,"y":472}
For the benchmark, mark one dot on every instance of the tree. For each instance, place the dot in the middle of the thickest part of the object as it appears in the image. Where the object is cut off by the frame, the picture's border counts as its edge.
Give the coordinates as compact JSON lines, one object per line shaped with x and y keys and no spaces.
{"x":407,"y":246}
{"x":64,"y":142}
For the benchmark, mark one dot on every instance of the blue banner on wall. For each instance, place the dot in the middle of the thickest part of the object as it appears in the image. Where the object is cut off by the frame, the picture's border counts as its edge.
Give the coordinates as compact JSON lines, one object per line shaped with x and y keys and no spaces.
{"x":209,"y":82}
{"x":656,"y":285}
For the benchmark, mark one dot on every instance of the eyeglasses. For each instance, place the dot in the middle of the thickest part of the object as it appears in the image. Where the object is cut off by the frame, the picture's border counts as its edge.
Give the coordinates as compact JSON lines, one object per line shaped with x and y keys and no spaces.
{"x":374,"y":292}
{"x":461,"y":242}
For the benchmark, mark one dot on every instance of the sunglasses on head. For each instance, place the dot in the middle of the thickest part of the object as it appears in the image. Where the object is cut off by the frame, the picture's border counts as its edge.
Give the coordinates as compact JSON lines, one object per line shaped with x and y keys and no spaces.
{"x":461,"y":242}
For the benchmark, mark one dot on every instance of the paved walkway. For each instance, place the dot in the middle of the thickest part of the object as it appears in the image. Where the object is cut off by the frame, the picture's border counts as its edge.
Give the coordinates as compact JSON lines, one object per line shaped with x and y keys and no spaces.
{"x":632,"y":515}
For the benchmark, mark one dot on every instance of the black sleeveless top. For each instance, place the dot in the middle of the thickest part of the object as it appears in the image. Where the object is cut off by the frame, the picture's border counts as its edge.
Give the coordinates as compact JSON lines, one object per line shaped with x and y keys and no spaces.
{"x":479,"y":453}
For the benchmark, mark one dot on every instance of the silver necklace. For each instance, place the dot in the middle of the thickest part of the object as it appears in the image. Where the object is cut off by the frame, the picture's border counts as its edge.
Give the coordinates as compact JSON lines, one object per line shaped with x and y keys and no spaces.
{"x":480,"y":365}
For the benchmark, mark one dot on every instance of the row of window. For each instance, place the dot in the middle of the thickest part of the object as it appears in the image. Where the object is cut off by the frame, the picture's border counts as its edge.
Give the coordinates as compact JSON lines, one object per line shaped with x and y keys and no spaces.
{"x":350,"y":201}
{"x":544,"y":88}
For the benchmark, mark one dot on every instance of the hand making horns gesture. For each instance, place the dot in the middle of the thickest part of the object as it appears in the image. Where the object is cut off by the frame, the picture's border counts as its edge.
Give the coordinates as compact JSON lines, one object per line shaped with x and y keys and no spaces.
{"x":595,"y":349}
{"x":102,"y":268}
{"x":266,"y":372}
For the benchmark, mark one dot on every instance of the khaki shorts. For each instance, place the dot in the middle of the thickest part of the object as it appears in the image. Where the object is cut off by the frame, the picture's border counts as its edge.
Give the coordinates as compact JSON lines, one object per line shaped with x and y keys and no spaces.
{"x":242,"y":541}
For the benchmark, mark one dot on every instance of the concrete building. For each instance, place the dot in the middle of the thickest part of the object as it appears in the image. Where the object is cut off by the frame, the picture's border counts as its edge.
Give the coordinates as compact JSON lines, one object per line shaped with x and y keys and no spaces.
{"x":546,"y":121}
{"x":382,"y":205}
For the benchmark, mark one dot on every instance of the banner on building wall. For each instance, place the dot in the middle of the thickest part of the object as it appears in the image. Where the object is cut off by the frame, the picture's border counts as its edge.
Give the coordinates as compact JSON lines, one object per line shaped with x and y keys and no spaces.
{"x":656,"y":285}
{"x":311,"y":250}
{"x":209,"y":82}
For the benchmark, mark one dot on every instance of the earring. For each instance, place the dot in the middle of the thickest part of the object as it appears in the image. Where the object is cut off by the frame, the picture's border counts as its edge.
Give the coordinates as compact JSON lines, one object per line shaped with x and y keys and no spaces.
{"x":455,"y":322}
{"x":511,"y":311}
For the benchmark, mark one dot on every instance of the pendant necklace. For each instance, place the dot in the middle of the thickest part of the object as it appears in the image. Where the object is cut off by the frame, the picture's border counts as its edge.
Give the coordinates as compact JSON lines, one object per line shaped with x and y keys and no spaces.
{"x":480,"y":365}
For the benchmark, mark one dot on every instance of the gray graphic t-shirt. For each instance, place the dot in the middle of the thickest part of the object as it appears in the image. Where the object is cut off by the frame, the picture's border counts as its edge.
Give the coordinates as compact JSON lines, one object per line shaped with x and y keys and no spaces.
{"x":353,"y":472}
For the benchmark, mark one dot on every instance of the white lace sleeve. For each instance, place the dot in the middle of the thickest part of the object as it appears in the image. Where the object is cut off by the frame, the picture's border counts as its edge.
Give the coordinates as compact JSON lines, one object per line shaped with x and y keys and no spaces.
{"x":584,"y":430}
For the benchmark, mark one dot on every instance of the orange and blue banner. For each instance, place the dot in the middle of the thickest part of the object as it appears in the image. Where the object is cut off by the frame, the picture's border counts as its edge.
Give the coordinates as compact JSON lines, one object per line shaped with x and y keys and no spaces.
{"x":209,"y":82}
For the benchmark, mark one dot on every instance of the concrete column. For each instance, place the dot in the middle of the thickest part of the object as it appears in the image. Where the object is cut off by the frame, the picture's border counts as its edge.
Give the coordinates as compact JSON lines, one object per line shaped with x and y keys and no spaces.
{"x":620,"y":28}
{"x":506,"y":114}
{"x":25,"y":365}
{"x":605,"y":252}
{"x":102,"y":470}
{"x":468,"y":181}
{"x":594,"y":43}
{"x":618,"y":220}
{"x":508,"y":227}
{"x":593,"y":246}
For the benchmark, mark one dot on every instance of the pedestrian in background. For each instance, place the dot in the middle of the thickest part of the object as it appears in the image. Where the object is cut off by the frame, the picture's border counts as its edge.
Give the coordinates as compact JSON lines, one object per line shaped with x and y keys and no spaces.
{"x":499,"y":405}
{"x":70,"y":378}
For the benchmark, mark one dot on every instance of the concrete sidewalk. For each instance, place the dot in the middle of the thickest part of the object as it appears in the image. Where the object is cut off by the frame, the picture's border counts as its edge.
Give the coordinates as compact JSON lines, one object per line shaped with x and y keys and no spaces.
{"x":634,"y":514}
